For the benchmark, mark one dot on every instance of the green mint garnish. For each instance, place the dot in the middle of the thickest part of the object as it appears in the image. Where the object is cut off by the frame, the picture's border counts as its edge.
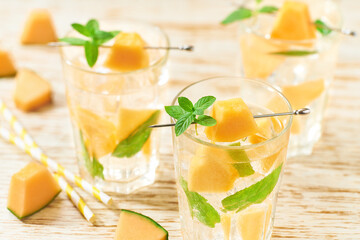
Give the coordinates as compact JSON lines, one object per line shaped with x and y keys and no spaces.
{"x":186,"y":113}
{"x":96,"y":37}
{"x":295,"y":53}
{"x":136,"y":140}
{"x":91,"y":163}
{"x":258,"y":1}
{"x":322,"y":28}
{"x":268,"y":9}
{"x":242,"y":164}
{"x":199,"y":207}
{"x":256,"y":193}
{"x":238,"y":15}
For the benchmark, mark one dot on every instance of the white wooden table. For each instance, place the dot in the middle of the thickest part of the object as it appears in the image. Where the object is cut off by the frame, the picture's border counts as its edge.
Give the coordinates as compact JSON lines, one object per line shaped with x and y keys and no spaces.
{"x":320,"y":194}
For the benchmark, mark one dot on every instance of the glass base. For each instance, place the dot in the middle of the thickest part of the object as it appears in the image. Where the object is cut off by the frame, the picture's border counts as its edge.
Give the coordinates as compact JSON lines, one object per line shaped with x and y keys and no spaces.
{"x":303,"y":145}
{"x":133,"y":184}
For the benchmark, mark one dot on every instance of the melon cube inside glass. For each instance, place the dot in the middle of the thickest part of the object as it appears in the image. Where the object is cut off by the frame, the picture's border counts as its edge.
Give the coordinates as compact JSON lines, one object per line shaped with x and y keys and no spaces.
{"x":112,"y":104}
{"x":228,"y":190}
{"x":305,"y":78}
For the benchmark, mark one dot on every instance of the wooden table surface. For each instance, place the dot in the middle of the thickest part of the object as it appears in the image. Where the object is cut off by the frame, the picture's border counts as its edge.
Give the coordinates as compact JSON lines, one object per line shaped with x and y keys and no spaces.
{"x":320,"y":194}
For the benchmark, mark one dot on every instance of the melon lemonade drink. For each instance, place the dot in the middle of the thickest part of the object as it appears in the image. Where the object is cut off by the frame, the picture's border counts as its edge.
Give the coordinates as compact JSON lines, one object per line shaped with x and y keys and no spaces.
{"x":228,"y":175}
{"x":290,"y":45}
{"x":113,"y":102}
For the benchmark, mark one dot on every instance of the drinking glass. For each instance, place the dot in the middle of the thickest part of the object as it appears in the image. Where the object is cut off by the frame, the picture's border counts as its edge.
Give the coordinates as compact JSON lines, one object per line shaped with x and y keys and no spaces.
{"x":110,"y":111}
{"x":304,"y":79}
{"x":229,"y":190}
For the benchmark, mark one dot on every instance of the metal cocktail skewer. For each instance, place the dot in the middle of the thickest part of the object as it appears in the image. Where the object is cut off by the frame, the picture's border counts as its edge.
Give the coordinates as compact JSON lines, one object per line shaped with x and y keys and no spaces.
{"x":302,"y":111}
{"x":182,"y":47}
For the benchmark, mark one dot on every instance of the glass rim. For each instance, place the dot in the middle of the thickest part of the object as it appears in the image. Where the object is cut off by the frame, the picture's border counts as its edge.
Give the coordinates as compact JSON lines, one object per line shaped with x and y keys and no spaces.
{"x":250,"y":146}
{"x":161,"y":60}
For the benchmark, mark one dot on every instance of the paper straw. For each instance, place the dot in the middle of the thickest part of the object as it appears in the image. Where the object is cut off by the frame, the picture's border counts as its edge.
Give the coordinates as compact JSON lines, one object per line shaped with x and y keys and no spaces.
{"x":75,"y":198}
{"x":35,"y":151}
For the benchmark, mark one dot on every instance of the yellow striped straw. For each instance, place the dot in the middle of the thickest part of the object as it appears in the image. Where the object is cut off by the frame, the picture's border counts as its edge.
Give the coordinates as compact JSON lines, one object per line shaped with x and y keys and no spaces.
{"x":34,"y":150}
{"x":75,"y":198}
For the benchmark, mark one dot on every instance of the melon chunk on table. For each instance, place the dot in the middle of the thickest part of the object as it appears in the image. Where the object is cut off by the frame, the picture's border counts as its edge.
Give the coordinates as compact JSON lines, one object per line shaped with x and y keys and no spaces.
{"x":293,"y":22}
{"x":31,"y":91}
{"x":7,"y":67}
{"x":39,"y":28}
{"x":31,"y":189}
{"x":234,"y":121}
{"x":211,"y":171}
{"x":135,"y":226}
{"x":127,"y":53}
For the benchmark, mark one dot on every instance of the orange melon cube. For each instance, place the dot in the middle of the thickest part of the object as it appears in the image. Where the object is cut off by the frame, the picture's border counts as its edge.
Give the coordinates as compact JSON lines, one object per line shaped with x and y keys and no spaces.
{"x":303,"y":94}
{"x":39,"y":28}
{"x":6,"y":65}
{"x":135,"y":226}
{"x":31,"y":189}
{"x":211,"y":171}
{"x":293,"y":22}
{"x":127,"y":53}
{"x":234,"y":121}
{"x":31,"y":91}
{"x":250,"y":223}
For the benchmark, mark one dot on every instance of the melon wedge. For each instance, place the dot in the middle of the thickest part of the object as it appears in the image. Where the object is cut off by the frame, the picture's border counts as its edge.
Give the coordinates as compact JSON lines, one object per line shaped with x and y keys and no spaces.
{"x":257,"y":60}
{"x":31,"y":91}
{"x":31,"y":189}
{"x":234,"y":121}
{"x":39,"y":28}
{"x":303,"y":94}
{"x":293,"y":22}
{"x":127,"y":53}
{"x":135,"y":226}
{"x":6,"y":67}
{"x":211,"y":171}
{"x":226,"y":225}
{"x":130,"y":120}
{"x":250,"y":223}
{"x":99,"y":133}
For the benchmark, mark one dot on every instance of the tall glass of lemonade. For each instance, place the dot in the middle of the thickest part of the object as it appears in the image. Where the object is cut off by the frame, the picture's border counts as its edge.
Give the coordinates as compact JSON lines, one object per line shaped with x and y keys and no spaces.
{"x":228,"y":175}
{"x":112,"y":104}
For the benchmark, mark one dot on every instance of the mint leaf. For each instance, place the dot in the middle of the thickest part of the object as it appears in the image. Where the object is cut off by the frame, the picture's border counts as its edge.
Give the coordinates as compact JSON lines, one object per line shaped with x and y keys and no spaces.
{"x":205,"y":120}
{"x":91,"y":53}
{"x":136,"y":140}
{"x":92,"y":25}
{"x":175,"y":111}
{"x":91,"y":163}
{"x":258,"y":1}
{"x":256,"y":193}
{"x":295,"y":53}
{"x":73,"y":41}
{"x":204,"y":102}
{"x":242,"y":164}
{"x":322,"y":27}
{"x":115,"y":33}
{"x":186,"y":104}
{"x":199,"y":206}
{"x":183,"y":123}
{"x":268,"y":9}
{"x":81,"y":29}
{"x":238,"y":15}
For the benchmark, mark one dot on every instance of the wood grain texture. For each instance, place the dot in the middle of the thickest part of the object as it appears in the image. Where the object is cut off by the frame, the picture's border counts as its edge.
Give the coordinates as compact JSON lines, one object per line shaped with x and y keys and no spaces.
{"x":320,"y":194}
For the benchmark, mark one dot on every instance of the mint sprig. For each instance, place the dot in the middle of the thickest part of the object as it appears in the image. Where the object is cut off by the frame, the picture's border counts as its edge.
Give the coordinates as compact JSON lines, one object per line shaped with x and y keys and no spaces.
{"x":96,"y":38}
{"x":243,"y":13}
{"x":256,"y":193}
{"x":187,"y":113}
{"x":322,"y":28}
{"x":94,"y":167}
{"x":199,"y":206}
